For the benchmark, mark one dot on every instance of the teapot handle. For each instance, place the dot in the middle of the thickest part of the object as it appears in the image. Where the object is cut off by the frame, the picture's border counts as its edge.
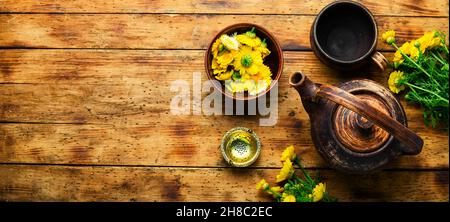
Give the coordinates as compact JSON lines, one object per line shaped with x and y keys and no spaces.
{"x":412,"y":141}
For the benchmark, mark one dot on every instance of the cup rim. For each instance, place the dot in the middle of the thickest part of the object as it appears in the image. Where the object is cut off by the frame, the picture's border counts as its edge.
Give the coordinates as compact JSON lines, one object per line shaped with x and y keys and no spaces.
{"x":372,"y":18}
{"x":274,"y":41}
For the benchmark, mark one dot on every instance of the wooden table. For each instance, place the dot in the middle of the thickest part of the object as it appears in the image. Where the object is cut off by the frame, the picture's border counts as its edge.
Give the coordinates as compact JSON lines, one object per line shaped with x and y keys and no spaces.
{"x":85,"y":94}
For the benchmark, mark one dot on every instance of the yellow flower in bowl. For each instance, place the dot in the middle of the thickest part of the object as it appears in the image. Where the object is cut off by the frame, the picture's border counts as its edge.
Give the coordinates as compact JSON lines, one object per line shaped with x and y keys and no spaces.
{"x":249,"y":38}
{"x":224,"y":59}
{"x":217,"y":47}
{"x":225,"y":75}
{"x":262,"y":48}
{"x":230,"y":43}
{"x":247,"y":61}
{"x":256,"y":49}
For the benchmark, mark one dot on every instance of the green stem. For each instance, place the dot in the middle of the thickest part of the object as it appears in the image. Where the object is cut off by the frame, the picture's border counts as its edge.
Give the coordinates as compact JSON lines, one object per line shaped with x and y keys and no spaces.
{"x":417,"y":65}
{"x":446,"y":49}
{"x":297,"y":161}
{"x":305,"y":183}
{"x":438,"y":58}
{"x":428,"y":91}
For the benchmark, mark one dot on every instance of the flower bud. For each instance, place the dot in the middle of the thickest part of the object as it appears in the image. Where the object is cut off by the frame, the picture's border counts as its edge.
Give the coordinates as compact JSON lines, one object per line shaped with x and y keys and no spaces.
{"x":287,"y":186}
{"x":435,"y":33}
{"x":407,"y":97}
{"x":417,"y":44}
{"x":390,"y":40}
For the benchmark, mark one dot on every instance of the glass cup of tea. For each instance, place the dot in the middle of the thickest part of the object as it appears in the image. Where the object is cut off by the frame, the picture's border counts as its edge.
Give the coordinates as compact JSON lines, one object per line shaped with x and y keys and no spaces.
{"x":240,"y":147}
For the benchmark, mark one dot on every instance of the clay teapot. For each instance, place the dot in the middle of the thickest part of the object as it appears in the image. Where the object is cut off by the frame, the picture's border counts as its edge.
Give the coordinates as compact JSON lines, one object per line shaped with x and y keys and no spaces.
{"x":357,"y":126}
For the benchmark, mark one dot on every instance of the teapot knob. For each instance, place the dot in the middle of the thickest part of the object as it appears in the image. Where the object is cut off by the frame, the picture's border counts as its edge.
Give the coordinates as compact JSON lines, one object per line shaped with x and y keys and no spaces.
{"x":363,"y":123}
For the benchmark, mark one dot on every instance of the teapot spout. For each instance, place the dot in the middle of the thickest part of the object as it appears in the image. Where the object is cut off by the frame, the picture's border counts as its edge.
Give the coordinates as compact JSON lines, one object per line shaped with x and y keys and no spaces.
{"x":305,"y":88}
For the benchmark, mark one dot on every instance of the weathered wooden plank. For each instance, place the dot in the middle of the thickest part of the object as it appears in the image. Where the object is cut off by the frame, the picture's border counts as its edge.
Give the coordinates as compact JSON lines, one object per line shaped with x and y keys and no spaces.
{"x":61,"y":183}
{"x":152,"y":67}
{"x":129,"y":92}
{"x":154,"y":138}
{"x":121,"y":67}
{"x":170,"y":144}
{"x":384,"y":7}
{"x":172,"y":31}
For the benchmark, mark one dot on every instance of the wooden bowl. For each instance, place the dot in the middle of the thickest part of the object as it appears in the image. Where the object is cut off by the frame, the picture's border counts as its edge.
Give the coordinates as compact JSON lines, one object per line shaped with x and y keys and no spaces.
{"x":274,"y":60}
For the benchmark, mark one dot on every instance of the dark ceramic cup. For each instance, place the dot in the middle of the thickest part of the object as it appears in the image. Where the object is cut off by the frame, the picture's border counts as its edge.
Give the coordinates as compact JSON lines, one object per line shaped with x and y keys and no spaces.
{"x":344,"y":36}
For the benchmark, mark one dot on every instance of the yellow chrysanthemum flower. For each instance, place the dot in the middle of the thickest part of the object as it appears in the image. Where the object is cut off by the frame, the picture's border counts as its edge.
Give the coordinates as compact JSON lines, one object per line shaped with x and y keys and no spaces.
{"x":263,"y":49}
{"x":216,"y":68}
{"x":288,"y":198}
{"x":226,"y":58}
{"x":413,"y":51}
{"x":247,"y":61}
{"x":251,"y":86}
{"x":394,"y":77}
{"x":398,"y":58}
{"x":425,"y":40}
{"x":389,"y":36}
{"x":408,"y":49}
{"x":413,"y":48}
{"x":246,"y":40}
{"x":219,"y":71}
{"x":229,"y":42}
{"x":256,"y":87}
{"x":249,"y":38}
{"x":277,"y":190}
{"x":225,"y":75}
{"x":286,"y":171}
{"x":214,"y":64}
{"x":260,"y":81}
{"x":237,"y":86}
{"x":288,"y":153}
{"x":318,"y":192}
{"x":216,"y":47}
{"x":263,"y":73}
{"x":429,"y":40}
{"x":437,"y":41}
{"x":262,"y":185}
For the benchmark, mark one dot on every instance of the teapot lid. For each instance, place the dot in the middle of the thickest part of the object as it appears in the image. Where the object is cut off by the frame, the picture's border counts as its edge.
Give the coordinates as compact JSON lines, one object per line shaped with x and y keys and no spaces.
{"x":356,"y":132}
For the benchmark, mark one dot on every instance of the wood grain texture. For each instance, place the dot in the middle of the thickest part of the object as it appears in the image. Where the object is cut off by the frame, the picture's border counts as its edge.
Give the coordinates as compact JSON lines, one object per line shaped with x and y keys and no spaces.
{"x":172,"y":31}
{"x":112,"y":107}
{"x":403,"y":8}
{"x":91,"y":121}
{"x":65,"y":183}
